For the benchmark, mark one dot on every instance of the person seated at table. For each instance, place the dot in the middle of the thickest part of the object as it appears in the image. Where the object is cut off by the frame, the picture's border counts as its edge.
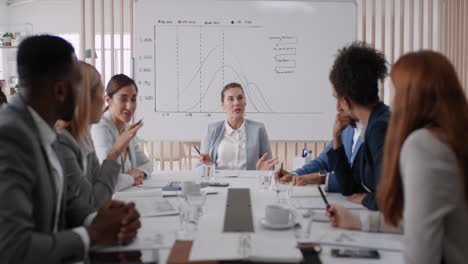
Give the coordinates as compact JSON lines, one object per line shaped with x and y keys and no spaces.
{"x":42,"y":221}
{"x":355,"y":75}
{"x":424,"y":185}
{"x":236,"y":143}
{"x":96,"y":182}
{"x":3,"y":98}
{"x":121,"y":98}
{"x":309,"y":173}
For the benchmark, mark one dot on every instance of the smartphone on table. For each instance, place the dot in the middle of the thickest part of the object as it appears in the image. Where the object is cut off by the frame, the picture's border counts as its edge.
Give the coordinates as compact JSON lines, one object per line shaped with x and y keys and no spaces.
{"x":355,"y":253}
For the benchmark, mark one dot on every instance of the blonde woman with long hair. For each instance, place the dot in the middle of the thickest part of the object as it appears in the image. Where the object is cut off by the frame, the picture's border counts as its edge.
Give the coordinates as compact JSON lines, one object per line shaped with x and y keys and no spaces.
{"x":94,"y":181}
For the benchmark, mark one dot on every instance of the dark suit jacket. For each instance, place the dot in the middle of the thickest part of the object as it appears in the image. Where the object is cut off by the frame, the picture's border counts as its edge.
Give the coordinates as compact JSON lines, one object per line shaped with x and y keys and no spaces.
{"x":28,"y":197}
{"x":366,"y":167}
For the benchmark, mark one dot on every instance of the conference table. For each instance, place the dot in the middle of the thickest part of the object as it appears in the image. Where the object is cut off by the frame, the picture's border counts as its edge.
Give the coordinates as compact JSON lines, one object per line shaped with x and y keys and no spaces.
{"x":159,"y":237}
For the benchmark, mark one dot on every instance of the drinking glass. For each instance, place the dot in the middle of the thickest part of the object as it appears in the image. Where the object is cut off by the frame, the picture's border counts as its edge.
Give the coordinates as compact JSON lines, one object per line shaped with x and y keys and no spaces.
{"x":282,"y":190}
{"x":264,"y":179}
{"x":207,"y":172}
{"x":197,"y":200}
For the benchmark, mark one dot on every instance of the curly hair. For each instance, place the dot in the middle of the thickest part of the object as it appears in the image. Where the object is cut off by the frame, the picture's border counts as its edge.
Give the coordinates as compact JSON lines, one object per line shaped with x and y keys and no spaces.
{"x":356,"y":72}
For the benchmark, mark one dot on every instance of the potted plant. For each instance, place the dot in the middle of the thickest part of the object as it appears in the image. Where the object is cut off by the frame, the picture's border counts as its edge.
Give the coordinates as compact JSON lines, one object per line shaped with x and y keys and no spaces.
{"x":14,"y":90}
{"x":6,"y":39}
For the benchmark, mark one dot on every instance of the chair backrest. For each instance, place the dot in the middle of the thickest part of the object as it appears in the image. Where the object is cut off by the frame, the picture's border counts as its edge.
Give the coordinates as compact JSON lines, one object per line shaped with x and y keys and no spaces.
{"x":168,"y":152}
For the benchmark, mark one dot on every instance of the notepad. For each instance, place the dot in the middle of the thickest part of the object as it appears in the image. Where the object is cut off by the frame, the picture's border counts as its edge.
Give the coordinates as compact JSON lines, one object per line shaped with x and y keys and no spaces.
{"x":258,"y":247}
{"x":305,"y":191}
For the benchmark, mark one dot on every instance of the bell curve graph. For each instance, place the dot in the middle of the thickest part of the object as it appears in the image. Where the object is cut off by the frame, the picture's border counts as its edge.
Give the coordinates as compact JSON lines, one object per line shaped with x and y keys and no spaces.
{"x":194,"y":59}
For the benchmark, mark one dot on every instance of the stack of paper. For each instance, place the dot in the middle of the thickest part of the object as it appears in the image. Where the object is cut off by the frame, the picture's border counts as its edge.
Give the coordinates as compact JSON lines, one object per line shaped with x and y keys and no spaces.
{"x":241,"y":173}
{"x":323,"y":233}
{"x":148,"y":203}
{"x":246,"y":246}
{"x":136,"y":194}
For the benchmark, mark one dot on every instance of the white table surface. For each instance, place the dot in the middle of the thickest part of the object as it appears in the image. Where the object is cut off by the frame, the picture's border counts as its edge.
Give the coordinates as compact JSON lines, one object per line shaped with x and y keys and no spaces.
{"x":213,"y":216}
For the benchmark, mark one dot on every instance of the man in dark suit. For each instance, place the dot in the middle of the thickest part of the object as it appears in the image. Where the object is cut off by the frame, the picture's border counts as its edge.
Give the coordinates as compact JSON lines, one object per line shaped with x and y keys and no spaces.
{"x":355,"y":76}
{"x":42,"y":219}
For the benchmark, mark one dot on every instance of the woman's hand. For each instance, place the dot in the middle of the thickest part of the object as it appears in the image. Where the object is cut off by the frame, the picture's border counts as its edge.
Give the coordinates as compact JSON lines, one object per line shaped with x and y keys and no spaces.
{"x":122,"y":142}
{"x":342,"y":217}
{"x":205,"y":159}
{"x":342,"y":120}
{"x":138,"y":176}
{"x":263,"y":164}
{"x":286,"y":176}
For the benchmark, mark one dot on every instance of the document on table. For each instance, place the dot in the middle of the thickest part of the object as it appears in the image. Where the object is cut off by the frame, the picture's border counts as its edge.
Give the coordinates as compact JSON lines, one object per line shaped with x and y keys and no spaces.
{"x":241,"y":173}
{"x":323,"y":233}
{"x":246,"y":246}
{"x":135,"y":194}
{"x":152,"y":206}
{"x":305,"y":191}
{"x":333,"y":198}
{"x":227,"y":173}
{"x":141,"y":242}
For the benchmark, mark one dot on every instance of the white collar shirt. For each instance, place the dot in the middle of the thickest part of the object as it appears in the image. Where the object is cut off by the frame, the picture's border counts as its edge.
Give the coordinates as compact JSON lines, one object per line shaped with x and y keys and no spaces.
{"x":232,"y":153}
{"x":357,"y":134}
{"x":48,"y":137}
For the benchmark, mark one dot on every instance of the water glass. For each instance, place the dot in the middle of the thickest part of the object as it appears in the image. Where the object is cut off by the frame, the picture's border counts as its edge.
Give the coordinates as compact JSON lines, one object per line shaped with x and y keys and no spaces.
{"x":264,"y":179}
{"x":197,"y":200}
{"x":303,"y":226}
{"x":207,"y":172}
{"x":282,"y":192}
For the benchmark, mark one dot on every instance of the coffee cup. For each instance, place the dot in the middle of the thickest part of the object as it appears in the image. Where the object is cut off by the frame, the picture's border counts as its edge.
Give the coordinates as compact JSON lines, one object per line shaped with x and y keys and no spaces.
{"x":278,"y":215}
{"x":190,"y":187}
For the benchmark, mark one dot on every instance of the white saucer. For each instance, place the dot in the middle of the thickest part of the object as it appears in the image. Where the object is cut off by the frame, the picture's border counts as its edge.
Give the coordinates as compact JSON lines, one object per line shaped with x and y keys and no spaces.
{"x":269,"y":225}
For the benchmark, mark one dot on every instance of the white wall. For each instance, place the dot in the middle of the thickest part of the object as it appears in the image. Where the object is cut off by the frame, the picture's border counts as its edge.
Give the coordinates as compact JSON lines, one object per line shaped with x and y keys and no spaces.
{"x":51,"y":17}
{"x":3,"y":15}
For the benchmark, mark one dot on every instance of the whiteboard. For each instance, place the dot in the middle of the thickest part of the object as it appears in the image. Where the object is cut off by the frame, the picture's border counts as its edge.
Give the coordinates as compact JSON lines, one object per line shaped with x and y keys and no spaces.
{"x":281,"y":52}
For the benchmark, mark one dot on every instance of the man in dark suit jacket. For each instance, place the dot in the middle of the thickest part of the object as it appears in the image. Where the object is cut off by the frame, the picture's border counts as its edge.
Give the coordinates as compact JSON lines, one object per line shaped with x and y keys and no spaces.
{"x":355,"y":76}
{"x":42,"y":219}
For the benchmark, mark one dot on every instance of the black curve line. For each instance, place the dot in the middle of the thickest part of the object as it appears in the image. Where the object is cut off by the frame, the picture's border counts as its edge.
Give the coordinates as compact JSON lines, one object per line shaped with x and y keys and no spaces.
{"x":199,"y":68}
{"x":246,"y":84}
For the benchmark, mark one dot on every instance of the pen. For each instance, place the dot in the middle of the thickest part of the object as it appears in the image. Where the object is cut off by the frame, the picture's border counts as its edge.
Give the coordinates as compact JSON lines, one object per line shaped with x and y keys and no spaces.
{"x":195,"y":147}
{"x":323,"y":196}
{"x":281,"y":171}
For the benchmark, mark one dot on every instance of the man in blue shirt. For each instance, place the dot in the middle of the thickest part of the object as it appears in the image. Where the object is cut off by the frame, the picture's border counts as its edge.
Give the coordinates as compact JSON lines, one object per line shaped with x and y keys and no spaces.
{"x":308,"y":174}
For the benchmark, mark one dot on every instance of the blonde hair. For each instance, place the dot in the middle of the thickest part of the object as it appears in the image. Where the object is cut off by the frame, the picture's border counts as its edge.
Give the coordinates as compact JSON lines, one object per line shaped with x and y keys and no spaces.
{"x":79,"y":126}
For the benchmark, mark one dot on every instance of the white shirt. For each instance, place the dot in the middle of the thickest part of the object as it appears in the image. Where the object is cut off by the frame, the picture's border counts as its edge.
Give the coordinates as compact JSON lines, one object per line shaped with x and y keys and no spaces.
{"x":48,"y":136}
{"x":232,"y":153}
{"x":357,"y":133}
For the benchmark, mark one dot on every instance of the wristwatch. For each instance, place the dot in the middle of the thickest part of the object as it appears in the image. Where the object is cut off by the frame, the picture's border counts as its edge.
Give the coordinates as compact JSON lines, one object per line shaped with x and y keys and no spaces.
{"x":323,"y":176}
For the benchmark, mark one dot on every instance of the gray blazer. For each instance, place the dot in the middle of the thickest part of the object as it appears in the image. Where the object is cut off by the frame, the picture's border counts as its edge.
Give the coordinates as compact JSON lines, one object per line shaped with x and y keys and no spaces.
{"x":256,"y":144}
{"x":104,"y":135}
{"x":28,"y":196}
{"x":97,"y":183}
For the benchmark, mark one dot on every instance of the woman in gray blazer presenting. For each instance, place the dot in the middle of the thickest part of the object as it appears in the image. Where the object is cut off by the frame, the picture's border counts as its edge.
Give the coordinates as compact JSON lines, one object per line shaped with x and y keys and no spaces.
{"x":121,"y":98}
{"x":236,"y":143}
{"x":94,"y":182}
